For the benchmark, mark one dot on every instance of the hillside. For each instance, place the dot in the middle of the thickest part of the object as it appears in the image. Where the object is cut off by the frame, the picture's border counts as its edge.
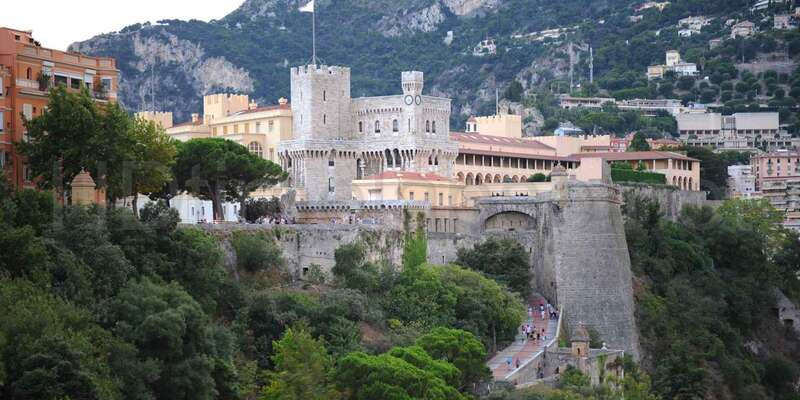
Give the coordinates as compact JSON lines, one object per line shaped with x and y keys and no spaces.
{"x":251,"y":49}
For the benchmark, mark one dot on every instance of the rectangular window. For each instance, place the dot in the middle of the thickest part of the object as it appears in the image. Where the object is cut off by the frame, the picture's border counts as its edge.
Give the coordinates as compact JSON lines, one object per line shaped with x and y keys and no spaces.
{"x":236,"y":128}
{"x":258,"y":127}
{"x":2,"y":124}
{"x":411,"y":195}
{"x":441,"y":199}
{"x":105,"y":83}
{"x":271,"y":126}
{"x":427,"y":197}
{"x":75,"y":83}
{"x":214,"y":131}
{"x":450,"y":200}
{"x":246,"y":128}
{"x":272,"y":154}
{"x":224,"y":130}
{"x":27,"y":111}
{"x":61,"y":80}
{"x":89,"y":80}
{"x":2,"y":88}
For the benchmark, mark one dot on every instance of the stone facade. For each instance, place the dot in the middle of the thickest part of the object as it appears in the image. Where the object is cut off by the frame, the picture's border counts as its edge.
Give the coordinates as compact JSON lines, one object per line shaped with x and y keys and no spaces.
{"x":338,"y":139}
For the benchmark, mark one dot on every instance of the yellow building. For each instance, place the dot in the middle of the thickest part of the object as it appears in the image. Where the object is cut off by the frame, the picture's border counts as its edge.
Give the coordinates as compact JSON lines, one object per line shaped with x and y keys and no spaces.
{"x":161,"y":118}
{"x":194,"y":129}
{"x":259,"y":129}
{"x":503,"y":125}
{"x":412,"y":186}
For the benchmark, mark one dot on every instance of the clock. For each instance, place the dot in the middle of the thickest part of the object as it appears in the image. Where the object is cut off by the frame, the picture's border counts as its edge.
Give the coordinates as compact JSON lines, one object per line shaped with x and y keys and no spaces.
{"x":418,"y":99}
{"x":409,"y":100}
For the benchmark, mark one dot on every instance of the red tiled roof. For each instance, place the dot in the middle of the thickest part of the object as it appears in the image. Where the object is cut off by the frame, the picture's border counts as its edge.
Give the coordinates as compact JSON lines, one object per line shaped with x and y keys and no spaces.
{"x":498,"y":140}
{"x":635,"y":155}
{"x":286,"y":106}
{"x":502,"y":153}
{"x":415,"y":176}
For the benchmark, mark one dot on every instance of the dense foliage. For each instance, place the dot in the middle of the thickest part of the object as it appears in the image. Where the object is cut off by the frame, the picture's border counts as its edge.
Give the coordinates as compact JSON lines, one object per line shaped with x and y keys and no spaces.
{"x":705,"y":290}
{"x":623,"y":172}
{"x":503,"y":260}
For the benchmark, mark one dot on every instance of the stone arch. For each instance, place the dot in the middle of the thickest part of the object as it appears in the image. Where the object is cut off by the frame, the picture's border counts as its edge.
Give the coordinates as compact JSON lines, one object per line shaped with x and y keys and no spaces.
{"x":460,"y":177}
{"x":690,"y":184}
{"x":506,"y":178}
{"x":510,"y":220}
{"x":397,"y":158}
{"x":359,"y":169}
{"x":515,"y":179}
{"x":674,"y":181}
{"x":469,"y":180}
{"x":478,"y":179}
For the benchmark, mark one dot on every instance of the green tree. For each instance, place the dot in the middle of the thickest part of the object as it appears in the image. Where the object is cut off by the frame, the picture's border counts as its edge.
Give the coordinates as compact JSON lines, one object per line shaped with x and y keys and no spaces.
{"x":503,"y":260}
{"x":460,"y":348}
{"x":537,"y":177}
{"x":217,"y":169}
{"x":415,"y":248}
{"x":303,"y":369}
{"x":75,"y":133}
{"x":254,"y":209}
{"x":150,"y":159}
{"x":174,"y":348}
{"x":639,"y":143}
{"x":514,"y":91}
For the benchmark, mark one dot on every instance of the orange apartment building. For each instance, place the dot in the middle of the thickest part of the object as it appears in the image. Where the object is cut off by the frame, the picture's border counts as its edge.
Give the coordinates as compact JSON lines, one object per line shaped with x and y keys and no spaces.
{"x":27,"y":72}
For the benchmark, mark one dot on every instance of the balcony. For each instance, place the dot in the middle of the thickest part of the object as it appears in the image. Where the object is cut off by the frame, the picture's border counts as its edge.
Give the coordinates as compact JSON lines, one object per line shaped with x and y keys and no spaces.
{"x":28,"y":84}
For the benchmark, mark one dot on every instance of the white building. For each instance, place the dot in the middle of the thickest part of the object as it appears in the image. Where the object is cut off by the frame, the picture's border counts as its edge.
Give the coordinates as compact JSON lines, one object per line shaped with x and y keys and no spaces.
{"x":742,"y":182}
{"x":486,"y":47}
{"x":740,"y":131}
{"x":743,"y":29}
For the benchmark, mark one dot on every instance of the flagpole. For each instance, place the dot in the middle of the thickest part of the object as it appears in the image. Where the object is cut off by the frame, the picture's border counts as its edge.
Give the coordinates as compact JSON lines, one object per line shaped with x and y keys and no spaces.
{"x":314,"y":37}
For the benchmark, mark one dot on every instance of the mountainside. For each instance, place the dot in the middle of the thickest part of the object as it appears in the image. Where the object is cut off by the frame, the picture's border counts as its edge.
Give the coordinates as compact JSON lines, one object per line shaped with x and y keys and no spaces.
{"x":169,"y":65}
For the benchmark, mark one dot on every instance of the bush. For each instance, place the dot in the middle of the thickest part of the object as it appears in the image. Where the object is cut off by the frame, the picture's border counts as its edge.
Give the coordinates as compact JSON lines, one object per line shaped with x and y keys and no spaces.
{"x":629,"y":175}
{"x":537,"y":177}
{"x":256,"y":252}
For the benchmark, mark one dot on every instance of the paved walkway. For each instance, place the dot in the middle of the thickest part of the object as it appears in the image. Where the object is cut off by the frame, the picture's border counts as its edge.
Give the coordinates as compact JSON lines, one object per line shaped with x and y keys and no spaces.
{"x":523,"y":349}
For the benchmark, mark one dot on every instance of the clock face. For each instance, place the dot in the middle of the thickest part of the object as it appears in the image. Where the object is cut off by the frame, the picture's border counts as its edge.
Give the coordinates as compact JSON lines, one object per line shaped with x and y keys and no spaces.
{"x":409,"y":100}
{"x":418,"y":99}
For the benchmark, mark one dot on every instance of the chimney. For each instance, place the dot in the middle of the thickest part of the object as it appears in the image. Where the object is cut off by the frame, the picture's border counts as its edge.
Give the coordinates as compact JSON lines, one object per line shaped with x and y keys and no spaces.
{"x":282,"y":101}
{"x":253,"y":105}
{"x":195,"y":117}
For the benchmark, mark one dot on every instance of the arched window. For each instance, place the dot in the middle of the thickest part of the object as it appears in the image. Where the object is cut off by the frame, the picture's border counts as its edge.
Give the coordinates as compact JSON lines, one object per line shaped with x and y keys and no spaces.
{"x":377,"y":126}
{"x":395,"y":126}
{"x":427,"y":126}
{"x":256,"y":149}
{"x":360,"y":126}
{"x":29,"y":73}
{"x":433,"y":126}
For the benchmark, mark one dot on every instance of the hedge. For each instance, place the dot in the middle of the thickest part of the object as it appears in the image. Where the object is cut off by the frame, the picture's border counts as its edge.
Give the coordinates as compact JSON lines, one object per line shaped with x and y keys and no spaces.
{"x":629,"y":175}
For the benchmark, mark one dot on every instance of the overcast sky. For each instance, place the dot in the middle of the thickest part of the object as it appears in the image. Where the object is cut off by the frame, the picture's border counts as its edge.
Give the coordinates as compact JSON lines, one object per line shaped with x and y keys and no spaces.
{"x":58,"y":23}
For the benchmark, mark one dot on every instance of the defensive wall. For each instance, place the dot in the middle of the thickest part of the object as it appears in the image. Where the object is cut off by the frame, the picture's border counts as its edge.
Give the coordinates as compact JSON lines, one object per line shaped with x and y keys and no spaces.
{"x":574,"y":235}
{"x":671,"y":200}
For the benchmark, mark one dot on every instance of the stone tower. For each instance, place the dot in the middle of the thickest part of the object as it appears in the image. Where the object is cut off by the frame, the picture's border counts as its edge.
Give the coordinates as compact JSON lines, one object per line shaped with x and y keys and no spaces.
{"x":321,"y":102}
{"x":413,"y":82}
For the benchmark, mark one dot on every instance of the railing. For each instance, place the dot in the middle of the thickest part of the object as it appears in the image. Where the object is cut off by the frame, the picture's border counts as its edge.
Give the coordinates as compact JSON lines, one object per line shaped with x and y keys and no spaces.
{"x":28,"y":83}
{"x":520,"y":374}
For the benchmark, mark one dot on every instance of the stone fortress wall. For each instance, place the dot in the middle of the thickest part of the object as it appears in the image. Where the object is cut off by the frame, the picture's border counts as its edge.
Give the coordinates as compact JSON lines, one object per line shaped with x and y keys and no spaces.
{"x":574,"y":234}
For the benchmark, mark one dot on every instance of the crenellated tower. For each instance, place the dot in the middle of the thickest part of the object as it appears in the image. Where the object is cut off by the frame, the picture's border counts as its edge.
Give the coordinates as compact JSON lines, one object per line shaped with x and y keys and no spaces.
{"x":321,"y":102}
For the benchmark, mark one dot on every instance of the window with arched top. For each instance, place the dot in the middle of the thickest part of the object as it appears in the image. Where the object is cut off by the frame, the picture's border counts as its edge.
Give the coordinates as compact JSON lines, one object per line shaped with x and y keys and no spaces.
{"x":331,"y":187}
{"x":256,"y":148}
{"x":29,"y":73}
{"x":427,"y":126}
{"x":377,"y":126}
{"x":395,"y":126}
{"x":433,"y":126}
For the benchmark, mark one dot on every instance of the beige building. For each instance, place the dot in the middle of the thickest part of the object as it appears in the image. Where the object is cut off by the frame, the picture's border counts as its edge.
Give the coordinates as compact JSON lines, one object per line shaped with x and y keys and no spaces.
{"x":740,"y":131}
{"x":680,"y":170}
{"x":193,"y":129}
{"x":259,"y":129}
{"x":411,"y":186}
{"x":743,"y":29}
{"x":161,"y":118}
{"x":504,"y":125}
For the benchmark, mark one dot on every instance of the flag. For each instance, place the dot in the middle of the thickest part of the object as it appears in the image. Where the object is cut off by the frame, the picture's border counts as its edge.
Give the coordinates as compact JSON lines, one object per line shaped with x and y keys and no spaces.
{"x":308,"y":7}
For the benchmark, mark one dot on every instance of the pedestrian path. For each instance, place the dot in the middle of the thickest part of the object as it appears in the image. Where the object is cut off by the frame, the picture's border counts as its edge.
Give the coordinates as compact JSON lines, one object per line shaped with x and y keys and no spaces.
{"x":523,"y":349}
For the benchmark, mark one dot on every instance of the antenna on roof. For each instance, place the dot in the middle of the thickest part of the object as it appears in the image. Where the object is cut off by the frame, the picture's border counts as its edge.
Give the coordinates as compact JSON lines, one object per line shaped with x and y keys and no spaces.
{"x":591,"y":64}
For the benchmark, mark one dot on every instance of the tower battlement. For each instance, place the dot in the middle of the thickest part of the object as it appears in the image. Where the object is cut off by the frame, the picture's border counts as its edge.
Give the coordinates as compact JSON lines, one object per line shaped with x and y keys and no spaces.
{"x":320,"y":70}
{"x":413,"y":82}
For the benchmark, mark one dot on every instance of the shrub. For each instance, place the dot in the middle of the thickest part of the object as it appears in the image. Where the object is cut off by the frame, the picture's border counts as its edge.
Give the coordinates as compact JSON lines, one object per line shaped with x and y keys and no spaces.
{"x":629,"y":175}
{"x":256,"y":252}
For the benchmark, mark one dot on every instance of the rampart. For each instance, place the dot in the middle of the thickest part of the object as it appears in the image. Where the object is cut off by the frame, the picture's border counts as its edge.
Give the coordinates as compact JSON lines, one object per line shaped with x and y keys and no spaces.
{"x":574,"y":235}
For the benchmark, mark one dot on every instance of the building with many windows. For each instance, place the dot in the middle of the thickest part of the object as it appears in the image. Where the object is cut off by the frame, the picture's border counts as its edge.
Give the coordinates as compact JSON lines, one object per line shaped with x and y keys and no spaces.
{"x":777,"y":177}
{"x":740,"y":131}
{"x":27,"y":72}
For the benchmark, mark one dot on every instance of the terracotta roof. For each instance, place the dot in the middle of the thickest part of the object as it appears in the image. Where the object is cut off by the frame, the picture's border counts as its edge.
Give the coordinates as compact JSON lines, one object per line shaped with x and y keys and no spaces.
{"x":471,"y":119}
{"x":415,"y":176}
{"x":286,"y":106}
{"x":189,"y":123}
{"x":514,"y":154}
{"x":498,"y":140}
{"x":635,"y":155}
{"x":83,"y":179}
